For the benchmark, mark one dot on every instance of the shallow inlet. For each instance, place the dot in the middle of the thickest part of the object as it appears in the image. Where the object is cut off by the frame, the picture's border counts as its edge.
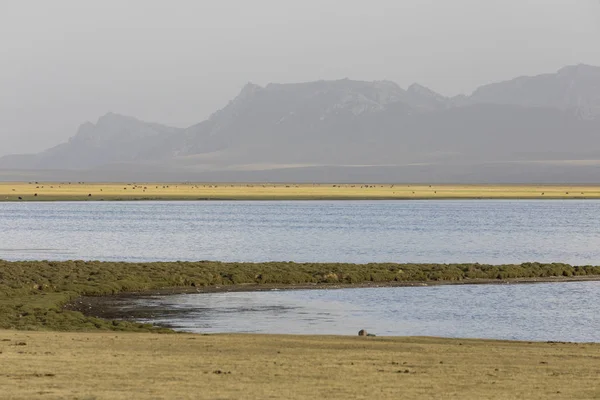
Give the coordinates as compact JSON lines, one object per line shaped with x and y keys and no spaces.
{"x":540,"y":312}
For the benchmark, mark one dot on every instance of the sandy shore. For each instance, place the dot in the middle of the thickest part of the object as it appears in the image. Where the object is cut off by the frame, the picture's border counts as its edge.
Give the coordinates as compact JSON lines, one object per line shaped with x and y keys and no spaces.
{"x":109,"y":365}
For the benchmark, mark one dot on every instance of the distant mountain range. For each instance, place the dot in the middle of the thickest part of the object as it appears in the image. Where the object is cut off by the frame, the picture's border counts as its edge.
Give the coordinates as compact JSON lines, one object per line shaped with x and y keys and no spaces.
{"x":544,"y":128}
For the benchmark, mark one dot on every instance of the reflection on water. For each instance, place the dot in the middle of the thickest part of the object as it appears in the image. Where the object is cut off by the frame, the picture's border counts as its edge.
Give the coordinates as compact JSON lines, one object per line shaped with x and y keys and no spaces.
{"x":555,"y":311}
{"x":485,"y":231}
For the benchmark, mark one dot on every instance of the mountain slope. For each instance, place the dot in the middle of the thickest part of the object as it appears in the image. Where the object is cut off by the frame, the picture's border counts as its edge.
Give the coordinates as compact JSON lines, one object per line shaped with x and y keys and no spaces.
{"x":574,"y":87}
{"x":114,"y":138}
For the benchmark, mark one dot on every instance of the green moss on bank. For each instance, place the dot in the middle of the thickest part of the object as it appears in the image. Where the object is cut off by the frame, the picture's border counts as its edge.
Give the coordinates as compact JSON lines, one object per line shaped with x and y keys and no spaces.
{"x":33,"y":293}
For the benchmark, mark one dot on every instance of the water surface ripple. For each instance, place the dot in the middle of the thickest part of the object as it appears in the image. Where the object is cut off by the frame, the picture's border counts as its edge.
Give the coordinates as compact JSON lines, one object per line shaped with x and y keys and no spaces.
{"x":485,"y":231}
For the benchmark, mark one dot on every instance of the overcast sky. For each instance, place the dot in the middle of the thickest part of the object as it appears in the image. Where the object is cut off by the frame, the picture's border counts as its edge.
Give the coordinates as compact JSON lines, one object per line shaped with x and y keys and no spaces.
{"x":64,"y":62}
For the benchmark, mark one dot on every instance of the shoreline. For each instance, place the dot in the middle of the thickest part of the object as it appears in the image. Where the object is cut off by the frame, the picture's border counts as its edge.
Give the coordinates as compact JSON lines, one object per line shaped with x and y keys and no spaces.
{"x":251,"y":287}
{"x":187,"y":191}
{"x":80,"y":199}
{"x":292,"y":198}
{"x":119,"y":306}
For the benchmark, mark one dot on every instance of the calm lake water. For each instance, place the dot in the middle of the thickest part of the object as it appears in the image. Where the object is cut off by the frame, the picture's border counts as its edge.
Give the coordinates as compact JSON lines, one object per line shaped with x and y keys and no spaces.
{"x":556,"y":311}
{"x":485,"y":231}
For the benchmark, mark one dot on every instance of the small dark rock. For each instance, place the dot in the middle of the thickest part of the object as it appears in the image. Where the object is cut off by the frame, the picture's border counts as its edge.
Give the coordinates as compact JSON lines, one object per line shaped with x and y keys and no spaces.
{"x":219,"y":372}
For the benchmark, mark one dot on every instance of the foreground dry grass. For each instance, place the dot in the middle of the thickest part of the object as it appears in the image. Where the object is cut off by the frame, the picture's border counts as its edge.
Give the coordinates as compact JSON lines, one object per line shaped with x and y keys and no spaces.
{"x":51,"y":365}
{"x":39,"y":191}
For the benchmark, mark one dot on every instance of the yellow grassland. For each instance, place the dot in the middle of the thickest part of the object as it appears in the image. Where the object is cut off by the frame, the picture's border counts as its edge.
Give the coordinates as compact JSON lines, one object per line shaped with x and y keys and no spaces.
{"x":52,"y":365}
{"x":65,"y":191}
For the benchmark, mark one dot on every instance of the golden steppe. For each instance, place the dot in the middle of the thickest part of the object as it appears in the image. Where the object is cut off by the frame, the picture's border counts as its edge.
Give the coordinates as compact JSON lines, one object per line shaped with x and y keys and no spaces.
{"x":109,"y":365}
{"x":57,"y":191}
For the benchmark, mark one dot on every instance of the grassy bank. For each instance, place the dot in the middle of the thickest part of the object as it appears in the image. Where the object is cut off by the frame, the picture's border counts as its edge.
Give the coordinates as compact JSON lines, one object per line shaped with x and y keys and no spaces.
{"x":74,"y":191}
{"x":112,"y":365}
{"x":33,"y":293}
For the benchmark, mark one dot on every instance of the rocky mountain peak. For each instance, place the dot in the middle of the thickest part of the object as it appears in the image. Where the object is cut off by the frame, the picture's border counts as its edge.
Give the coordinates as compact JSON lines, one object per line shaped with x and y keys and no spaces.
{"x":280,"y":100}
{"x":249,"y":90}
{"x":419,"y":89}
{"x":575,"y":88}
{"x":579,"y":70}
{"x":425,"y":98}
{"x":111,"y":119}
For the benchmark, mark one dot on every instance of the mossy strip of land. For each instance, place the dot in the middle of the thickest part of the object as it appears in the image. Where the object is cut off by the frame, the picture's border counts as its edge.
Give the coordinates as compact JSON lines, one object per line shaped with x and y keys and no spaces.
{"x":33,"y":293}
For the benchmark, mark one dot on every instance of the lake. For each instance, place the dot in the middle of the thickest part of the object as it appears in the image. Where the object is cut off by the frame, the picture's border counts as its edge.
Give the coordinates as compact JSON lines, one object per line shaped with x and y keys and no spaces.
{"x":440,"y":231}
{"x":557,"y":311}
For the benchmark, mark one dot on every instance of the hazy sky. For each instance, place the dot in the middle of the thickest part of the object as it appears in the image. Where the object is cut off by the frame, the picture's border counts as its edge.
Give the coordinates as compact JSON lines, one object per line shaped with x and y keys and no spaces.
{"x":64,"y":62}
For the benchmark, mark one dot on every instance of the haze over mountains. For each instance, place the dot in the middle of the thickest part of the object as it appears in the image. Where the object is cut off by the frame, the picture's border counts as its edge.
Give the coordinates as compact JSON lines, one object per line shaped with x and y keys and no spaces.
{"x":544,"y":129}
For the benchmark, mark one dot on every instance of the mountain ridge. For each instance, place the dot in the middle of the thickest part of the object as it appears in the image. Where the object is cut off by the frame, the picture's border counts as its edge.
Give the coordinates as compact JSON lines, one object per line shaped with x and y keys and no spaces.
{"x":346,"y":123}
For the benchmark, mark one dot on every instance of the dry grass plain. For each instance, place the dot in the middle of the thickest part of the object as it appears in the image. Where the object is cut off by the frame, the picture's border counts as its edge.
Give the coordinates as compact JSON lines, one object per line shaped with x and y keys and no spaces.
{"x":52,"y":365}
{"x":57,"y":191}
